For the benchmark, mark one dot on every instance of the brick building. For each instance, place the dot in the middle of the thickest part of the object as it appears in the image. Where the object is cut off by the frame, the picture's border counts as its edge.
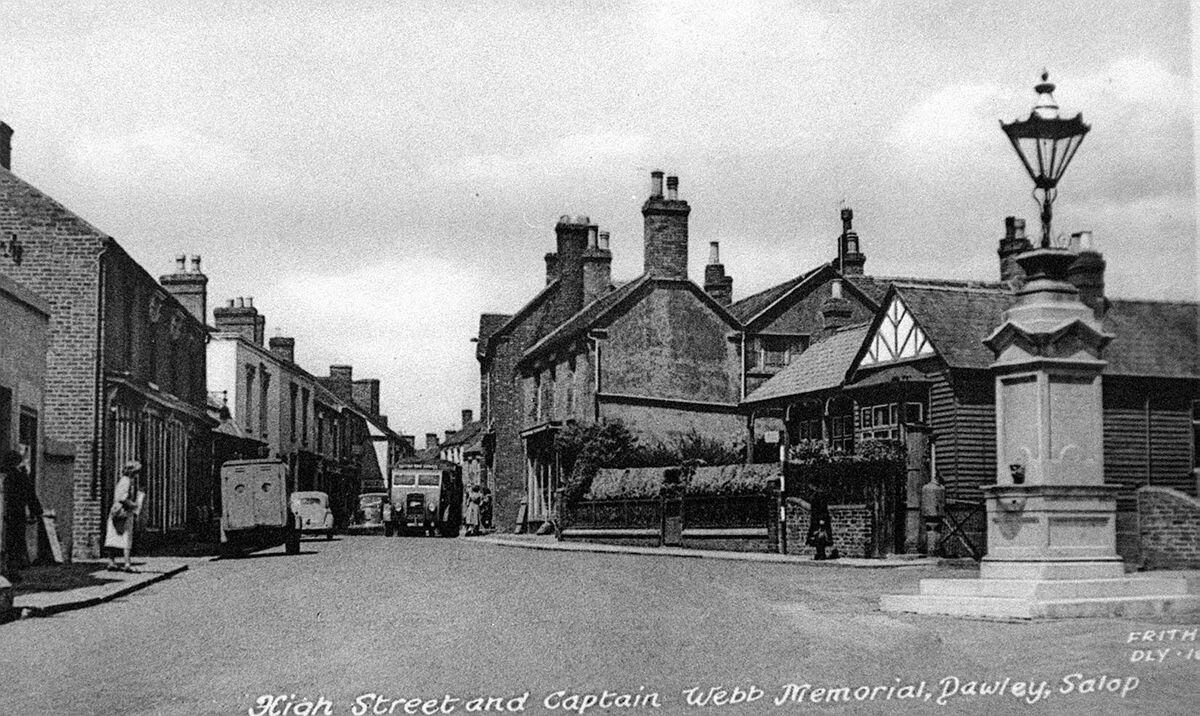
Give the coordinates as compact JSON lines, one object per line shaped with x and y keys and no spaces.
{"x":24,"y":340}
{"x":125,"y":367}
{"x":655,"y":352}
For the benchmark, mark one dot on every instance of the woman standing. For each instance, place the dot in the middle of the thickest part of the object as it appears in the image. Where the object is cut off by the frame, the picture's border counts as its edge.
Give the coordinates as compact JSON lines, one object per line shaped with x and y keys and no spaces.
{"x":472,"y":517}
{"x":118,"y":537}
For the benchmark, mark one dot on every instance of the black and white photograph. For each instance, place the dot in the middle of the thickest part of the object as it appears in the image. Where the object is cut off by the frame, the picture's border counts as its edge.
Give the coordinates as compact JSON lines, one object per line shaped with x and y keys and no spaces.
{"x":365,"y":358}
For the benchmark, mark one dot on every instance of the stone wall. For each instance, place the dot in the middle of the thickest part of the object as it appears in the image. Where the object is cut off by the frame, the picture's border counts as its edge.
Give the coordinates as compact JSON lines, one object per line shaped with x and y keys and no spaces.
{"x":1169,"y":524}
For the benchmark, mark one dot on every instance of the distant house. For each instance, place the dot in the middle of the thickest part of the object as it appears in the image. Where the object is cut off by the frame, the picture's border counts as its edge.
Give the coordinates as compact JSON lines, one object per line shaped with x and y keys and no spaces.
{"x":125,"y":371}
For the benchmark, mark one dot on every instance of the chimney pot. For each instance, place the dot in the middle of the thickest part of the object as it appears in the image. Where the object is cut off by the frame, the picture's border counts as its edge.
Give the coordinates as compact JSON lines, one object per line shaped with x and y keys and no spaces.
{"x":714,"y":252}
{"x":250,"y":301}
{"x":6,"y":133}
{"x":230,"y":303}
{"x":196,"y":263}
{"x":602,"y":241}
{"x":672,"y":188}
{"x":468,"y":416}
{"x":1082,"y":241}
{"x":180,"y":263}
{"x":241,"y":302}
{"x":656,"y":183}
{"x":1019,"y":229}
{"x":592,"y":237}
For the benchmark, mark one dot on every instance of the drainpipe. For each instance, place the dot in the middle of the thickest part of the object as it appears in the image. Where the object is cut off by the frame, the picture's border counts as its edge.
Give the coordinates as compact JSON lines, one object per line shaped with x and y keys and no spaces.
{"x":98,"y":447}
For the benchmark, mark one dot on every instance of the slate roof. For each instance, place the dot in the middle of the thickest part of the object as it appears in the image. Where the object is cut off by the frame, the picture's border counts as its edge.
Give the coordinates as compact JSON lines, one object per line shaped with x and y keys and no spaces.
{"x":821,"y":367}
{"x":590,"y":313}
{"x":1152,"y":338}
{"x":956,"y":318}
{"x":468,"y":433}
{"x":747,"y":310}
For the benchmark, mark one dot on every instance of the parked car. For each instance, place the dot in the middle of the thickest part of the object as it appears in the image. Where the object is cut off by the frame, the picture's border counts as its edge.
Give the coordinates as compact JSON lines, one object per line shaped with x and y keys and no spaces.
{"x":255,"y":510}
{"x":313,"y":513}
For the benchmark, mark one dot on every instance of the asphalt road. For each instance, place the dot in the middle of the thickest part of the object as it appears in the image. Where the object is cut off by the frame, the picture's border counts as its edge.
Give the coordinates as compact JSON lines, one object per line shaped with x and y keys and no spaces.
{"x":439,"y":619}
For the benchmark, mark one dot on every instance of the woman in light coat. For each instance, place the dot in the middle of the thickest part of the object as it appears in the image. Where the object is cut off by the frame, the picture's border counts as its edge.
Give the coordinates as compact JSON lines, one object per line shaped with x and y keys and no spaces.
{"x":118,"y":538}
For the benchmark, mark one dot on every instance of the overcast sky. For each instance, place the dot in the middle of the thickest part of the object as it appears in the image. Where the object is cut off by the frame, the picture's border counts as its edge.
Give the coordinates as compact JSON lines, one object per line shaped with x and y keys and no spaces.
{"x":376,"y":175}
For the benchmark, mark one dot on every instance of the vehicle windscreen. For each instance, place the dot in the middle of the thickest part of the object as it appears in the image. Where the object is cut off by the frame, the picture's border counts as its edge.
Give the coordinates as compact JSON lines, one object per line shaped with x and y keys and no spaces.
{"x":429,"y":480}
{"x":310,"y":500}
{"x":368,"y":500}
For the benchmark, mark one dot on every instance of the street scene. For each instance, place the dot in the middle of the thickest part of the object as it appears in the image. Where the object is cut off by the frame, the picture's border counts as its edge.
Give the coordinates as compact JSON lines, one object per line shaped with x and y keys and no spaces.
{"x":672,"y":357}
{"x":423,"y":619}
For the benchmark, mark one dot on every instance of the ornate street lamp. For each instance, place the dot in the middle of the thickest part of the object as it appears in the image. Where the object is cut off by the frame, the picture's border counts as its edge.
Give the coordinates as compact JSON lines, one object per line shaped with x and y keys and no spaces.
{"x":1046,"y":143}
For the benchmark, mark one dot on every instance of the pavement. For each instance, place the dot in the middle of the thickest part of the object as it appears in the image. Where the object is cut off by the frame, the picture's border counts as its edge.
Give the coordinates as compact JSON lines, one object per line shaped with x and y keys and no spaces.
{"x":51,"y":589}
{"x":548,"y":542}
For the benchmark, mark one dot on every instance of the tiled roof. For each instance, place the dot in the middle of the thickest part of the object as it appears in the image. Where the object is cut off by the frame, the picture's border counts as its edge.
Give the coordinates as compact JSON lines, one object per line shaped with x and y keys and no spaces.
{"x":821,"y":367}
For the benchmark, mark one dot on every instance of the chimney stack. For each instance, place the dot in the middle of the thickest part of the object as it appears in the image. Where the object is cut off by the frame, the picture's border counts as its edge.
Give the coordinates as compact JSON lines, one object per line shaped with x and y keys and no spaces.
{"x":284,"y":347}
{"x":551,"y":267}
{"x":341,"y":382}
{"x":237,"y":317}
{"x":365,"y":392}
{"x":597,"y":265}
{"x":190,"y":288}
{"x":1086,"y":274}
{"x":666,"y":230}
{"x":6,"y":133}
{"x":851,"y":260}
{"x":716,"y":283}
{"x":431,"y":440}
{"x":1013,"y":244}
{"x":835,"y":309}
{"x":468,"y":417}
{"x":571,"y":235}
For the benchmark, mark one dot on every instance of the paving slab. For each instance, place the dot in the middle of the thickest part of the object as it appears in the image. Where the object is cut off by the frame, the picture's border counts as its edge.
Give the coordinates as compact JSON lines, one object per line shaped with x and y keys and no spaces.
{"x":59,"y":588}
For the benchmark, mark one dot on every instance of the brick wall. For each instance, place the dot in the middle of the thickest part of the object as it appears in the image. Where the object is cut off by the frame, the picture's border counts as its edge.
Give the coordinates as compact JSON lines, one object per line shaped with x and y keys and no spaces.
{"x":1169,"y":525}
{"x":851,"y":525}
{"x":61,"y":263}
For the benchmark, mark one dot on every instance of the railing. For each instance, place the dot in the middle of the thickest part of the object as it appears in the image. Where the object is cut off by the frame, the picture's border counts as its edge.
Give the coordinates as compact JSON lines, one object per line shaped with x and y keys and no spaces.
{"x":728,"y":511}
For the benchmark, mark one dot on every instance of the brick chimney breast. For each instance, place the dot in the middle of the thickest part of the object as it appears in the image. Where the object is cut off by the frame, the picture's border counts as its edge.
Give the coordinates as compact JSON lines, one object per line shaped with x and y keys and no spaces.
{"x":666,"y":230}
{"x":597,"y":265}
{"x":237,"y":317}
{"x":1086,"y":274}
{"x":284,"y":347}
{"x":366,"y":395}
{"x":1012,"y":245}
{"x":6,"y":133}
{"x":190,"y":288}
{"x":851,"y":259}
{"x":716,"y":283}
{"x":571,"y":235}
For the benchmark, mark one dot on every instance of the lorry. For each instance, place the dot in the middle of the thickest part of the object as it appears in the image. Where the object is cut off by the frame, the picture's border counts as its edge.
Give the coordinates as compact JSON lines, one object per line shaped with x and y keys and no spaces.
{"x":254,"y":507}
{"x":426,"y":497}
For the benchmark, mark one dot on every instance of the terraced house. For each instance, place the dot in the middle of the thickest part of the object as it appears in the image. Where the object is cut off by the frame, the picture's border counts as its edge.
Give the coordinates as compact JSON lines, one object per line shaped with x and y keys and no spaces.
{"x":125,"y":370}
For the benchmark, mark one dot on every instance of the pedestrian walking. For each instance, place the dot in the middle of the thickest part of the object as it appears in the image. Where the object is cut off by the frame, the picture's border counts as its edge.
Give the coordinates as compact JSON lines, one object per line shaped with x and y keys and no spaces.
{"x":118,"y":538}
{"x":474,"y":500}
